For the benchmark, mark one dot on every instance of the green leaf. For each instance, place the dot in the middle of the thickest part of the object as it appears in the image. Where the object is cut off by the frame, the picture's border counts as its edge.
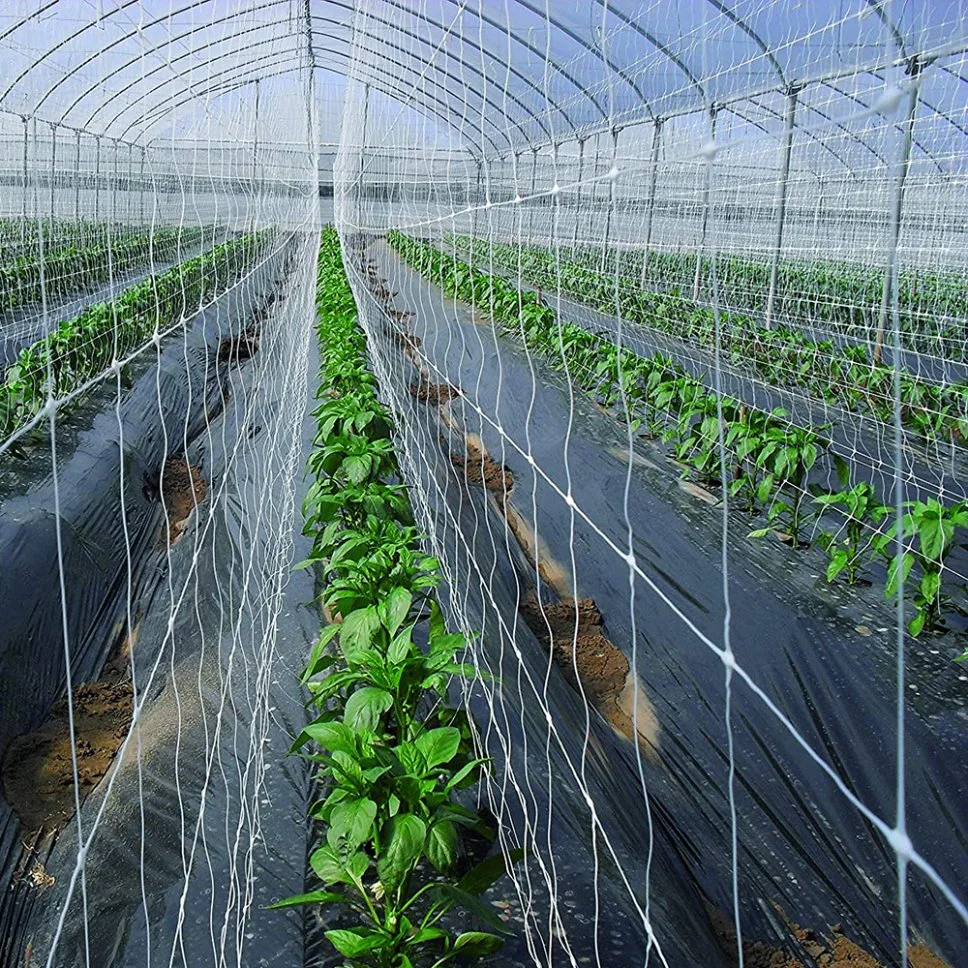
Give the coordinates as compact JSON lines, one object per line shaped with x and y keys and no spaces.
{"x":759,"y":533}
{"x":447,"y":895}
{"x":329,"y":866}
{"x":838,"y":561}
{"x":438,"y":745}
{"x":356,"y":469}
{"x":436,"y":623}
{"x":331,"y":736}
{"x":352,"y":944}
{"x":350,"y":823}
{"x":931,"y":533}
{"x":476,"y":944}
{"x":317,"y":661}
{"x":916,"y":625}
{"x":394,"y":609}
{"x":313,"y":897}
{"x":467,"y":771}
{"x":347,"y":765}
{"x":400,"y":647}
{"x":930,"y":585}
{"x":843,"y":470}
{"x":356,"y":632}
{"x":404,"y":838}
{"x":442,"y":845}
{"x":896,"y":575}
{"x":365,"y":707}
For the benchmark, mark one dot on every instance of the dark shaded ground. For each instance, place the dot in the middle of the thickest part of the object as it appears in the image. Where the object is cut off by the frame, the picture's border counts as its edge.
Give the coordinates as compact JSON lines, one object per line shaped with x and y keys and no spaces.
{"x":38,"y":769}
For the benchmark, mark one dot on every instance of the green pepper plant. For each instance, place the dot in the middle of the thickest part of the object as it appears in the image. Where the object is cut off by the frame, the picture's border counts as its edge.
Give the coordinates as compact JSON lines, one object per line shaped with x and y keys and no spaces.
{"x":392,"y":754}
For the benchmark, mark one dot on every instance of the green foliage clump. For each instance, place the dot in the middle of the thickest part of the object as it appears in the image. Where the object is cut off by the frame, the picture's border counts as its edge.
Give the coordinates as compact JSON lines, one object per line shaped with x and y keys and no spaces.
{"x":392,"y":753}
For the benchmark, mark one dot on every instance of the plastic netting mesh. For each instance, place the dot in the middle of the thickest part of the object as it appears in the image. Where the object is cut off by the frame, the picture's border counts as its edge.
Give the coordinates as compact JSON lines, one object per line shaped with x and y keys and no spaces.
{"x":669,"y":303}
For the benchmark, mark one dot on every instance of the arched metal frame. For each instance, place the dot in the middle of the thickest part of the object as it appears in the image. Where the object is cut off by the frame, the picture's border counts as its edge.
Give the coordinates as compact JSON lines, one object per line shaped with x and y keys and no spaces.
{"x":436,"y":101}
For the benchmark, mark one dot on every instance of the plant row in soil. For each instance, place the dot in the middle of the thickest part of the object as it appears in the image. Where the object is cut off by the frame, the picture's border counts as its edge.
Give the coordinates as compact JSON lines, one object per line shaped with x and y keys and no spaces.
{"x":799,"y":948}
{"x":842,"y":374}
{"x":84,"y":346}
{"x":76,"y":264}
{"x":760,"y":458}
{"x":20,"y":236}
{"x":39,"y":743}
{"x":844,"y":299}
{"x":392,"y":754}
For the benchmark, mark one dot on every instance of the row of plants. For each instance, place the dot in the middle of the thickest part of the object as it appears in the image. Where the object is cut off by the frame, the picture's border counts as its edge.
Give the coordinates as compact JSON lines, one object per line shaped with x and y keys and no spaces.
{"x":771,"y":463}
{"x":82,"y":347}
{"x":84,"y":262}
{"x":843,"y":375}
{"x":19,"y":236}
{"x":392,"y":755}
{"x":838,"y":296}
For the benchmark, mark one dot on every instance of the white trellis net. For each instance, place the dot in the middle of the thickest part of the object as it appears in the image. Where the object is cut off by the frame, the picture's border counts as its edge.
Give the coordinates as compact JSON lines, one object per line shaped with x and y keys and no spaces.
{"x":649,"y":244}
{"x":159,"y":223}
{"x":786,"y":185}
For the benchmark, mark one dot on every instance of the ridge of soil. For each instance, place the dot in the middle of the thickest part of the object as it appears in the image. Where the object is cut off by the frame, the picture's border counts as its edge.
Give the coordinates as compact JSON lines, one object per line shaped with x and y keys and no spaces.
{"x":480,"y":468}
{"x":402,"y":338}
{"x":184,"y":488}
{"x":38,"y":770}
{"x":433,"y":392}
{"x":603,"y":672}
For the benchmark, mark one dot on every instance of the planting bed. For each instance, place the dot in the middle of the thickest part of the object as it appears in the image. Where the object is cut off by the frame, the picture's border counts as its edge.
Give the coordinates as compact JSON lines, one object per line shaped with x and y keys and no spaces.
{"x":786,"y":466}
{"x":825,"y":654}
{"x":175,"y":445}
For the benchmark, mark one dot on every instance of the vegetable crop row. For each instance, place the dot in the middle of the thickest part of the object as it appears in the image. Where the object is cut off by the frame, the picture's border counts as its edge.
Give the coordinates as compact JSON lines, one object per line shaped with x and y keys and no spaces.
{"x":19,"y":236}
{"x":85,"y":345}
{"x":769,"y":460}
{"x":842,"y":297}
{"x":782,"y":355}
{"x":391,"y":753}
{"x":76,"y":265}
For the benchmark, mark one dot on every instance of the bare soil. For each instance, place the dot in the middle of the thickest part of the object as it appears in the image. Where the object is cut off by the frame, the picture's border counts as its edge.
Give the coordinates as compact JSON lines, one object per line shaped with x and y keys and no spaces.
{"x":184,"y":488}
{"x":403,"y":339}
{"x":433,"y":393}
{"x":481,"y":469}
{"x":38,"y":770}
{"x":831,"y":949}
{"x":237,"y":349}
{"x":602,"y":668}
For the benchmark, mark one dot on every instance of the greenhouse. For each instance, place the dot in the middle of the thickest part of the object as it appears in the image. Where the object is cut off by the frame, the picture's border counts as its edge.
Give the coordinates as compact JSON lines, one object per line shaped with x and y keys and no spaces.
{"x":484,"y":482}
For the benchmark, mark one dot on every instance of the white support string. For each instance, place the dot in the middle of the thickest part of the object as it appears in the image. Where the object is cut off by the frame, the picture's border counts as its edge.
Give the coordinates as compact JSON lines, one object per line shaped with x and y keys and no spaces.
{"x":788,"y":191}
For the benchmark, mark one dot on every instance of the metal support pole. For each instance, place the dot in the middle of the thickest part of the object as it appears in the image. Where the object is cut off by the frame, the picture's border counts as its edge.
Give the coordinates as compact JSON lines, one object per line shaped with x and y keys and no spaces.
{"x":97,"y":176}
{"x":255,"y":137}
{"x":610,"y":202}
{"x":141,"y":179}
{"x":53,"y":175}
{"x":366,"y":118}
{"x":534,"y":185}
{"x":650,"y":208}
{"x":114,"y":187}
{"x":705,"y":215}
{"x":77,"y":177}
{"x":781,"y":201}
{"x":581,"y":167}
{"x":473,"y":207}
{"x":23,"y":200}
{"x":129,"y":185}
{"x":897,"y":202}
{"x":472,"y":227}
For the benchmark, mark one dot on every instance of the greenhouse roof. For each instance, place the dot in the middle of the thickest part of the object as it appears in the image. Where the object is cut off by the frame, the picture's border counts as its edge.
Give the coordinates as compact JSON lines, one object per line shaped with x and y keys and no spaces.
{"x":504,"y":75}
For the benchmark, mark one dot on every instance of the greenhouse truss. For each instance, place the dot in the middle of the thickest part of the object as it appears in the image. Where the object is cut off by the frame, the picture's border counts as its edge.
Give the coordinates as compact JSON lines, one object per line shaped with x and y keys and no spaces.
{"x":484,"y":482}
